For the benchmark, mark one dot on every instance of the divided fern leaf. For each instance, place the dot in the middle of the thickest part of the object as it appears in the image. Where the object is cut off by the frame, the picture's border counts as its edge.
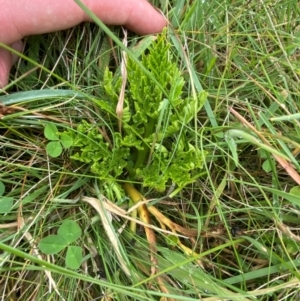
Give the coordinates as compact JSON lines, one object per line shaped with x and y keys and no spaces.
{"x":153,"y":146}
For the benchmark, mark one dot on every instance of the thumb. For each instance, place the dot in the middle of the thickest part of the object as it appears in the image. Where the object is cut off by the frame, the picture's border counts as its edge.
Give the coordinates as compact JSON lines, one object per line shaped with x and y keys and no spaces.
{"x":7,"y":59}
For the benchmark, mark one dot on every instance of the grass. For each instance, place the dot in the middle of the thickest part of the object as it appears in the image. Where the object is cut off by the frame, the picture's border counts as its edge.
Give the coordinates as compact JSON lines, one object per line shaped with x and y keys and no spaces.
{"x":246,"y":206}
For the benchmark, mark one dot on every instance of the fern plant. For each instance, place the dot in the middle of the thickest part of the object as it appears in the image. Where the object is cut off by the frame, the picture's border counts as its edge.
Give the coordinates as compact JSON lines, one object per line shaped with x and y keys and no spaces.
{"x":153,"y":147}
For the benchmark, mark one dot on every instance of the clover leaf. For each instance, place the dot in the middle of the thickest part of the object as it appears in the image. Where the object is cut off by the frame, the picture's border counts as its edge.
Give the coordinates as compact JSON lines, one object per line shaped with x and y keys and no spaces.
{"x":67,"y":233}
{"x":58,"y":140}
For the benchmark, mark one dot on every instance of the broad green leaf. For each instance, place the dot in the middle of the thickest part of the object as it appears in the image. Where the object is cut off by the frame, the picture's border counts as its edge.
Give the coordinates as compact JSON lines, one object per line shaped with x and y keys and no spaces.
{"x":73,"y":257}
{"x":252,"y":139}
{"x":66,"y":140}
{"x":263,"y":272}
{"x":263,"y":250}
{"x":70,"y":231}
{"x":51,"y":131}
{"x":6,"y":204}
{"x":291,"y":246}
{"x":266,"y":166}
{"x":52,"y":244}
{"x":54,"y":149}
{"x":177,"y":266}
{"x":2,"y":188}
{"x":289,"y":196}
{"x":34,"y":195}
{"x":34,"y":95}
{"x":232,"y":146}
{"x":172,"y":240}
{"x":295,"y":190}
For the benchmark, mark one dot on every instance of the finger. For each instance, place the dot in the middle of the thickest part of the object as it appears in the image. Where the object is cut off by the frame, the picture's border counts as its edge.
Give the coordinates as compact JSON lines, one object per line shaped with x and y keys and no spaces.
{"x":137,"y":15}
{"x":22,"y":17}
{"x":19,"y":47}
{"x":7,"y":59}
{"x":5,"y":65}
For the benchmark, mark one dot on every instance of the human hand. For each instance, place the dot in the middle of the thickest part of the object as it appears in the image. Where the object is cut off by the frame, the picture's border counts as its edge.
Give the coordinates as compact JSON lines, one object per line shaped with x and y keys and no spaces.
{"x":20,"y":18}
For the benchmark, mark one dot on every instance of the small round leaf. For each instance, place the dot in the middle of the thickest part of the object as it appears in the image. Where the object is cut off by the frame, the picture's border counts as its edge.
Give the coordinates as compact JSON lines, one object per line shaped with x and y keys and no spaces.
{"x":52,"y":244}
{"x":172,"y":240}
{"x":54,"y":149}
{"x":70,"y":231}
{"x":6,"y":204}
{"x":66,"y":140}
{"x":51,"y":131}
{"x":266,"y":166}
{"x":73,"y":257}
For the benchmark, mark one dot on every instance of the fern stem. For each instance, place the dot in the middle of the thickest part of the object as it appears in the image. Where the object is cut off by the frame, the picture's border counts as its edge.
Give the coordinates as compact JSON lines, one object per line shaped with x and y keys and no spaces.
{"x":142,"y":155}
